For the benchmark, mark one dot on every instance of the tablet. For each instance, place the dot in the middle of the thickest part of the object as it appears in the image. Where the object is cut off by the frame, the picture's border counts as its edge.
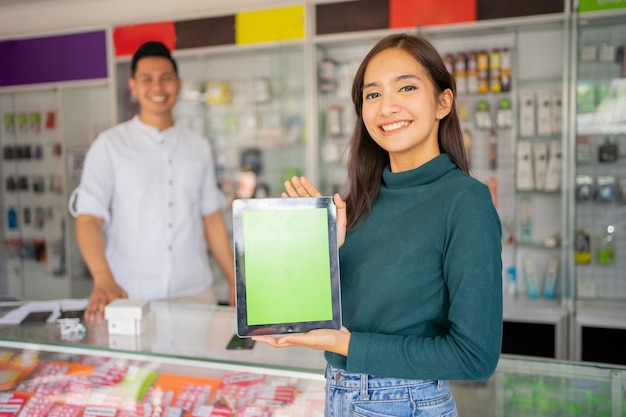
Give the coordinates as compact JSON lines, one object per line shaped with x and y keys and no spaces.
{"x":286,"y":265}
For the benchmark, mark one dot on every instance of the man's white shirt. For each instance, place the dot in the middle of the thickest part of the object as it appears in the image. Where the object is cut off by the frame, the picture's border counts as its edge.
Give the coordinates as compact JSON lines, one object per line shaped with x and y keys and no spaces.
{"x":152,"y":189}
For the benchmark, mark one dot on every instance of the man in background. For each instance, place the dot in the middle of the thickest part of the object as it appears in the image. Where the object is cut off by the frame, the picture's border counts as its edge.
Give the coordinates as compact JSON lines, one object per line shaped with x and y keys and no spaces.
{"x":150,"y":186}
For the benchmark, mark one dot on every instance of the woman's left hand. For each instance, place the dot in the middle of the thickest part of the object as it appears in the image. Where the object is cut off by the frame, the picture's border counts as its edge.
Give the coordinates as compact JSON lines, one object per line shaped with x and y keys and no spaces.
{"x":336,"y":341}
{"x":302,"y":187}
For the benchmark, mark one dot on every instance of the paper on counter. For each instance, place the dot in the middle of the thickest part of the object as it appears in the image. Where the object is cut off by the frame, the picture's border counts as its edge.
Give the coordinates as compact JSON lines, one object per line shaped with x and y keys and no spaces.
{"x":56,"y":306}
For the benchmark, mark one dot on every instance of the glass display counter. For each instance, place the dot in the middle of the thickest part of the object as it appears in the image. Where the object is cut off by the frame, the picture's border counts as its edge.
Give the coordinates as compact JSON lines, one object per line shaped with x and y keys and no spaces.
{"x":182,"y":342}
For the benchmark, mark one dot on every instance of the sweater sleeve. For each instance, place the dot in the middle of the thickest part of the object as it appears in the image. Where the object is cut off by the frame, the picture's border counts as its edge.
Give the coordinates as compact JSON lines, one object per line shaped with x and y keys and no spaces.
{"x":469,"y":348}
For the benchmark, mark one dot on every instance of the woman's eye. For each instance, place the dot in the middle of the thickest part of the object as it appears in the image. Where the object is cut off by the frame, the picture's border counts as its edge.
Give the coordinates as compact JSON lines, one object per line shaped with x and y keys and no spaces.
{"x":370,"y":96}
{"x":408,"y":88}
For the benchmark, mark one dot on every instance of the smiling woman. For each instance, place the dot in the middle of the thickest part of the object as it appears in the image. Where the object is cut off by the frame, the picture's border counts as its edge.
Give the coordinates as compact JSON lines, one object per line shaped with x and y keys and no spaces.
{"x":421,"y":268}
{"x":401,"y":109}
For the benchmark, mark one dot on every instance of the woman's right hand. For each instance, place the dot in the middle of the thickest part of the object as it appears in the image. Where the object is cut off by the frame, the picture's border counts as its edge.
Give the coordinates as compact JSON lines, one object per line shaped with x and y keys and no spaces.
{"x":302,"y":187}
{"x":100,"y":297}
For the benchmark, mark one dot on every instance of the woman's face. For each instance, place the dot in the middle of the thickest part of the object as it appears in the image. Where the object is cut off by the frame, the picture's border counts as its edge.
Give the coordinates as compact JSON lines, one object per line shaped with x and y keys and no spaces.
{"x":401,"y":108}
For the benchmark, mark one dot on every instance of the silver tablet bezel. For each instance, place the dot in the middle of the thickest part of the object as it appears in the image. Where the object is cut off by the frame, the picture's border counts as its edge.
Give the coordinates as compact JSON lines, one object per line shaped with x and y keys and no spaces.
{"x":240,"y":206}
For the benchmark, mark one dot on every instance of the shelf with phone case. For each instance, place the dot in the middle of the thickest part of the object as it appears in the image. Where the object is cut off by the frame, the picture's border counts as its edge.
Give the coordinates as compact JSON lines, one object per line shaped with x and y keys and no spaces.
{"x":33,"y":185}
{"x":539,"y":166}
{"x":40,"y":128}
{"x":600,"y":159}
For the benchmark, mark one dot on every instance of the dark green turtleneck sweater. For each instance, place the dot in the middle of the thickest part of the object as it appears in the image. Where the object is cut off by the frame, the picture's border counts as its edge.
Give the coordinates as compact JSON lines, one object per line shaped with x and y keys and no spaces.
{"x":421,"y":279}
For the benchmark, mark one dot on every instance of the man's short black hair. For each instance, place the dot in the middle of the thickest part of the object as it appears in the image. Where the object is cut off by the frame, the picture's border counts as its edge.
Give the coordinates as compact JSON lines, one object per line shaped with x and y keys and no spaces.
{"x":151,"y":48}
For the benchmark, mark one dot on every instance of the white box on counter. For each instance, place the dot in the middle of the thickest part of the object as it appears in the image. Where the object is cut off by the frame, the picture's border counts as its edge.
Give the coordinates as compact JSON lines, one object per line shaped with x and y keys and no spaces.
{"x":125,"y":316}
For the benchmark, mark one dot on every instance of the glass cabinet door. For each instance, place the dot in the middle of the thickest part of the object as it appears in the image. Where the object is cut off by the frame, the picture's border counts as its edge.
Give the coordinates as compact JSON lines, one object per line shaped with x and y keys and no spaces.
{"x":599,"y":188}
{"x":600,"y":160}
{"x":87,"y":111}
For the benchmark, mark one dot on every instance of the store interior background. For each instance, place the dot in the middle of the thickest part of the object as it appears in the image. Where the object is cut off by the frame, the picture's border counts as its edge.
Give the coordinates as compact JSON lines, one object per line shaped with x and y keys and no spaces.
{"x":35,"y":17}
{"x":557,"y":328}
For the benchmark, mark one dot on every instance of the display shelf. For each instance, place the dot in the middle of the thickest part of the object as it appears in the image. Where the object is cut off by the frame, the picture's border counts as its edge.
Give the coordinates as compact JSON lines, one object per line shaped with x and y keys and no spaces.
{"x":540,"y":245}
{"x":539,"y":170}
{"x":599,"y":221}
{"x":42,"y":128}
{"x":32,"y":185}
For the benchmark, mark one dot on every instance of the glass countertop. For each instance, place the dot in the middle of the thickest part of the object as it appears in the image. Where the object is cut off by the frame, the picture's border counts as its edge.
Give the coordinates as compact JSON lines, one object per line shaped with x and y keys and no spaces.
{"x":197,"y":335}
{"x":176,"y":330}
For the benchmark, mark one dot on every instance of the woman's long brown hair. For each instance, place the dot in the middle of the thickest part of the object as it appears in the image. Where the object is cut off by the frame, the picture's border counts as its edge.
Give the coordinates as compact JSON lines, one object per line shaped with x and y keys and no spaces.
{"x":367,"y":160}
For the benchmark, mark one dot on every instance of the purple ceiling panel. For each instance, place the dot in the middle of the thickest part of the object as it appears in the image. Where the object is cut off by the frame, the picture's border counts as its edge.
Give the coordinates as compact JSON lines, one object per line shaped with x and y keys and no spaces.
{"x":79,"y":56}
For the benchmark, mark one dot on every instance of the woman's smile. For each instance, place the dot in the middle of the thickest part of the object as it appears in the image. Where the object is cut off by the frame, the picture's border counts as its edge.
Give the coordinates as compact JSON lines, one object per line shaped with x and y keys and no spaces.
{"x":390,"y":127}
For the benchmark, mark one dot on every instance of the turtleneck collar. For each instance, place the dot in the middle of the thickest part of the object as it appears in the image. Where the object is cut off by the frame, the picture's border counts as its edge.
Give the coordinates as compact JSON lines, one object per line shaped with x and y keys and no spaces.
{"x":424,"y":174}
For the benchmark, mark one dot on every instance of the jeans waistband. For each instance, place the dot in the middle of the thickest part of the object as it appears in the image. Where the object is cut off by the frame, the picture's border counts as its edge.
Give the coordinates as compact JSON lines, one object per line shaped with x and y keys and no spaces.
{"x":341,"y":378}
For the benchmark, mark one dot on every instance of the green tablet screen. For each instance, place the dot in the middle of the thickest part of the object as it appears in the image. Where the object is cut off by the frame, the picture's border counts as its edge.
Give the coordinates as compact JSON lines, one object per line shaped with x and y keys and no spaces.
{"x":287,"y":266}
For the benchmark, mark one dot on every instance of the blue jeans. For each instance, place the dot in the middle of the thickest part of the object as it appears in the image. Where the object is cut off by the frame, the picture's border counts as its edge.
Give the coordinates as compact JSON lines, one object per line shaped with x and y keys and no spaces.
{"x":349,"y":394}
